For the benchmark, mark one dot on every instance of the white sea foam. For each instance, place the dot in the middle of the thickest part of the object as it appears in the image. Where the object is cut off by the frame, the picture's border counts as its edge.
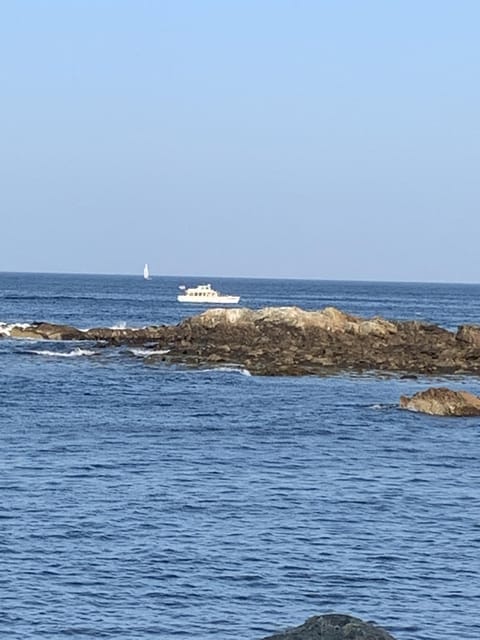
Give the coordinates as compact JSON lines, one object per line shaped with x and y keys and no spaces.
{"x":6,"y":329}
{"x":241,"y":370}
{"x":381,"y":407}
{"x":148,"y":352}
{"x":119,"y":325}
{"x":75,"y":353}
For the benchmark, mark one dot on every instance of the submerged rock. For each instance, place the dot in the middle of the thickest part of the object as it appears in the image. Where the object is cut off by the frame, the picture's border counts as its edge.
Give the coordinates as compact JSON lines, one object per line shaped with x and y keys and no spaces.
{"x":333,"y":626}
{"x":440,"y":401}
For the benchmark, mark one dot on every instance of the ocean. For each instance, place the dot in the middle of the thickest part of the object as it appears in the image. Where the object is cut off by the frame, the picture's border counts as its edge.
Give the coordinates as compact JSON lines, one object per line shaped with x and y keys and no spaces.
{"x":144,"y":501}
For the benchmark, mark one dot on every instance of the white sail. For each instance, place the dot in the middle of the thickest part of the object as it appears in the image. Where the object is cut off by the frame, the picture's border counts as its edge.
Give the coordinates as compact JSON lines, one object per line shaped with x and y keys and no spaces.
{"x":146,"y":272}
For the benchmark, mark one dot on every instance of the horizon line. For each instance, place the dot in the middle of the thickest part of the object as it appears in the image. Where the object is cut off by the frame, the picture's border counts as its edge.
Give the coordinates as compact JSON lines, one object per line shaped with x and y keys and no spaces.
{"x":183,"y":276}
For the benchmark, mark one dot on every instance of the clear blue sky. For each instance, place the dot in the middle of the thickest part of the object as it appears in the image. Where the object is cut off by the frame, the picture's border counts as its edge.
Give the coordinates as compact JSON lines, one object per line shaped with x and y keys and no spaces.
{"x":335,"y":139}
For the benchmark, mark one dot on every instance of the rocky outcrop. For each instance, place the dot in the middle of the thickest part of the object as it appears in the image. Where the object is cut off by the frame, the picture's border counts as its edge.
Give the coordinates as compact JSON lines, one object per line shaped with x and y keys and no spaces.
{"x":125,"y":336}
{"x":441,"y":401}
{"x":291,"y":341}
{"x":469,"y":334}
{"x":49,"y":331}
{"x":288,"y":340}
{"x":333,"y":626}
{"x":329,"y":319}
{"x":46,"y":331}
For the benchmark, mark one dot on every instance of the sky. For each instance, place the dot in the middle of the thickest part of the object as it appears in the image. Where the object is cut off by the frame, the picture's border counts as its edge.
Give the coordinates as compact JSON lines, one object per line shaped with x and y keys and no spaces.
{"x":329,"y":139}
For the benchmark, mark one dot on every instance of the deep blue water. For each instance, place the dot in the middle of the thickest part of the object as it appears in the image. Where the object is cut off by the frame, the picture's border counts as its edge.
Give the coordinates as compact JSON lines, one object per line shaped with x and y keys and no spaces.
{"x":141,"y":501}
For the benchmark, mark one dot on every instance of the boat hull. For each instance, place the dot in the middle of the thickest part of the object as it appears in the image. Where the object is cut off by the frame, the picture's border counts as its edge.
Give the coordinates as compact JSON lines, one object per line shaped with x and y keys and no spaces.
{"x":209,"y":299}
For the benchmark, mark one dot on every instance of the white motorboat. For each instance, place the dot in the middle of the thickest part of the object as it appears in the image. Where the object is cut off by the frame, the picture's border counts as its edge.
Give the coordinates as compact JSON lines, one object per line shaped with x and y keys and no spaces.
{"x":205,"y":294}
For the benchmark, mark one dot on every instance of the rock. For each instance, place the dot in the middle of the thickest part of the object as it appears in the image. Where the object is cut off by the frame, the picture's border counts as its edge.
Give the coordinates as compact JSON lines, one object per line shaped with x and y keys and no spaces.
{"x":470,"y":334}
{"x":440,"y":401}
{"x":292,"y":341}
{"x":330,"y":319}
{"x":333,"y":626}
{"x":129,"y":335}
{"x":46,"y":331}
{"x":24,"y":333}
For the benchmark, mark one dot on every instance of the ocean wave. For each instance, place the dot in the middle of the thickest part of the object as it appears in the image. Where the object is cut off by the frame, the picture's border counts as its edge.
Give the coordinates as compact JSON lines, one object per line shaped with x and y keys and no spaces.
{"x":119,"y":325}
{"x":122,"y":326}
{"x":75,"y":353}
{"x":143,"y":353}
{"x":233,"y":369}
{"x":381,"y":407}
{"x":6,"y":329}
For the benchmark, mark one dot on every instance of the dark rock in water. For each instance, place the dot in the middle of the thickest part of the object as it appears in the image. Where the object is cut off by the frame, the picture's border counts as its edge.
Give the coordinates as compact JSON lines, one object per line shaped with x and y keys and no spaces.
{"x":440,"y":401}
{"x":333,"y":626}
{"x":46,"y":331}
{"x":291,"y":341}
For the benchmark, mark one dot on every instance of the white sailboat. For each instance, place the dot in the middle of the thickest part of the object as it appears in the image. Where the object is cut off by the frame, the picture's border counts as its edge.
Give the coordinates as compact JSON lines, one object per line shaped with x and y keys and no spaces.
{"x":146,"y":272}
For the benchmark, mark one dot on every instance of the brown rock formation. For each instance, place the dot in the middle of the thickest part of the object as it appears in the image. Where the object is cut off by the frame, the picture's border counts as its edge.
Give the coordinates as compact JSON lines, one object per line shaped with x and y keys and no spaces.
{"x":469,"y":334}
{"x":333,"y":627}
{"x":291,"y":341}
{"x":127,"y":336}
{"x":46,"y":331}
{"x":441,"y":401}
{"x":288,"y":340}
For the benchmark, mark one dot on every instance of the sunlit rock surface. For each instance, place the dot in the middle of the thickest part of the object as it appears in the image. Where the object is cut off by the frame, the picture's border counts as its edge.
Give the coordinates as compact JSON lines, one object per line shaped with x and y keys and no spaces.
{"x":440,"y":401}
